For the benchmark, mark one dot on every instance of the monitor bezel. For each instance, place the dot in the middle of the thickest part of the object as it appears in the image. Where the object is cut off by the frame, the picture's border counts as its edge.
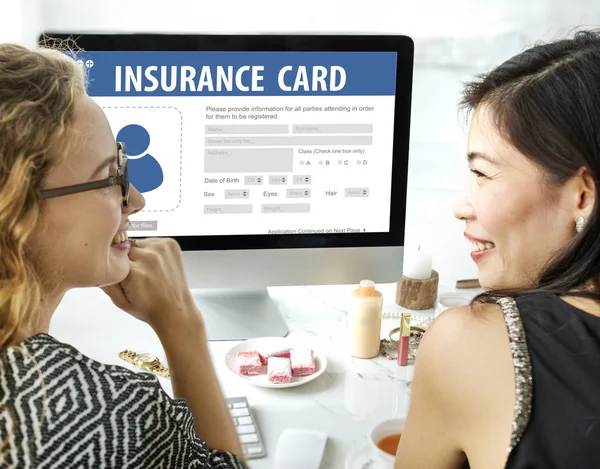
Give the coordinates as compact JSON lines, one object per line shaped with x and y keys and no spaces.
{"x":402,"y":45}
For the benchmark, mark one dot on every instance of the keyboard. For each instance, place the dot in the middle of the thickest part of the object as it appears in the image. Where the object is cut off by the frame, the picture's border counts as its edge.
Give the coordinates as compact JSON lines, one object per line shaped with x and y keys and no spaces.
{"x":247,"y":429}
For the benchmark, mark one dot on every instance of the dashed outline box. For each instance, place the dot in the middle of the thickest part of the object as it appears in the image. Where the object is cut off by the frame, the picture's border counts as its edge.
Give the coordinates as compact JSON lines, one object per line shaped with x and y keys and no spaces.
{"x":180,"y":148}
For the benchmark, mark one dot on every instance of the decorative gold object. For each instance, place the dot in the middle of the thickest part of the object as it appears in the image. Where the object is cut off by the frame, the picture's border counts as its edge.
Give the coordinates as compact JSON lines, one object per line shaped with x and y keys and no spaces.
{"x":386,"y":345}
{"x":146,"y":361}
{"x":416,"y":334}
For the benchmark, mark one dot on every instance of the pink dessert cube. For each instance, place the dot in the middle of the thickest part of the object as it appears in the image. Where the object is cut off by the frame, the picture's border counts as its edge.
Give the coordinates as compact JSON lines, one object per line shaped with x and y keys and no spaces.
{"x":273,"y":351}
{"x":248,"y":363}
{"x":303,"y":362}
{"x":279,"y":370}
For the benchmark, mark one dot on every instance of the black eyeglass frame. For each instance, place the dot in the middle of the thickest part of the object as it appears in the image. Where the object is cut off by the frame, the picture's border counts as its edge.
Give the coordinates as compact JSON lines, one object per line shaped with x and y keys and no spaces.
{"x":121,"y":179}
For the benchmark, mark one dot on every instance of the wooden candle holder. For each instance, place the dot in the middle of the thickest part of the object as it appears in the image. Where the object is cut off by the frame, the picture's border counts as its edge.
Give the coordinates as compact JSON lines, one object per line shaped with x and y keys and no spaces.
{"x":417,"y":294}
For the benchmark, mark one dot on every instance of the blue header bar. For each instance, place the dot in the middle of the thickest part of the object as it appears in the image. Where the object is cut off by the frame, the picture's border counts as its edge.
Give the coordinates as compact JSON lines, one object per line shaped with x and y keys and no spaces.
{"x":240,"y":73}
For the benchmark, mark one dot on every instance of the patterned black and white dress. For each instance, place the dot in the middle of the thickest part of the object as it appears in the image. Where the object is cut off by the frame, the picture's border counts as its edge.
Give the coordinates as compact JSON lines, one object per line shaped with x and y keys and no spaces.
{"x":60,"y":409}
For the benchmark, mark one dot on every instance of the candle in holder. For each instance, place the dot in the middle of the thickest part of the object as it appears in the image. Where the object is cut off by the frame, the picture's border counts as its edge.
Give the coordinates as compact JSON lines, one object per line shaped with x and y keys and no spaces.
{"x":418,"y":287}
{"x":417,"y":264}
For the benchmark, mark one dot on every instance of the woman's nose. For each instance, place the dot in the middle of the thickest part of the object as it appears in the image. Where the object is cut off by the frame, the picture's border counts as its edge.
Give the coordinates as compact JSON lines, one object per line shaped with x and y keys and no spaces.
{"x":136,"y":201}
{"x":463,"y":208}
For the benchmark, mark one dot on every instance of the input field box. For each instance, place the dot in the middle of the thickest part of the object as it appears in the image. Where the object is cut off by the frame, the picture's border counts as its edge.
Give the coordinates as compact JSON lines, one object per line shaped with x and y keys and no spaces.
{"x":253,"y":180}
{"x":227,"y":209}
{"x":237,"y":193}
{"x":249,"y":160}
{"x":285,"y":208}
{"x":298,"y":193}
{"x":250,"y":129}
{"x":332,"y":128}
{"x":276,"y":180}
{"x":357,"y":192}
{"x":288,"y":140}
{"x":302,"y":179}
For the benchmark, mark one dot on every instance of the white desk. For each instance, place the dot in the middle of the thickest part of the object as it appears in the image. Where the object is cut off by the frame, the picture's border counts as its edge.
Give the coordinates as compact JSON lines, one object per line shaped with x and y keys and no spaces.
{"x":344,"y":402}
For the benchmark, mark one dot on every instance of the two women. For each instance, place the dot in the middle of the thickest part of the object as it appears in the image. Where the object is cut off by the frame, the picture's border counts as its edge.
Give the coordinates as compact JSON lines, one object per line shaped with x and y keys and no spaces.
{"x":511,"y":381}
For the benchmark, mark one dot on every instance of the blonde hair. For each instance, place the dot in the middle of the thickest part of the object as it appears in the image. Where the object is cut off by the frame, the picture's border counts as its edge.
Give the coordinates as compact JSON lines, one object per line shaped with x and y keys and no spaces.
{"x":38,"y":90}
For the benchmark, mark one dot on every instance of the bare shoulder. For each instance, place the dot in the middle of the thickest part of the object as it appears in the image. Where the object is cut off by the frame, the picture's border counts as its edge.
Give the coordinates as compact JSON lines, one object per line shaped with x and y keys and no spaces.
{"x":466,"y":351}
{"x":458,"y":329}
{"x":462,"y":392}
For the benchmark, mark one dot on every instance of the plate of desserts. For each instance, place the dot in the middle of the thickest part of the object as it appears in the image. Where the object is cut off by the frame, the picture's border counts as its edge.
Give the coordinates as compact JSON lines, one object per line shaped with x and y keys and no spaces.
{"x":275,"y":362}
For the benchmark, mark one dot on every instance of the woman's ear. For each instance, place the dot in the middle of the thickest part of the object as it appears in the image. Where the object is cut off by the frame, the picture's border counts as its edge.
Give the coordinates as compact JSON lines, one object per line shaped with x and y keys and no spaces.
{"x":586,"y":188}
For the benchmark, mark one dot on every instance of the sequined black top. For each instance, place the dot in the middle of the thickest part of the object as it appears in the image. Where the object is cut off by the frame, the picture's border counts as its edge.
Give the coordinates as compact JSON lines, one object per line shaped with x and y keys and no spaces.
{"x":60,"y":409}
{"x":556,"y":353}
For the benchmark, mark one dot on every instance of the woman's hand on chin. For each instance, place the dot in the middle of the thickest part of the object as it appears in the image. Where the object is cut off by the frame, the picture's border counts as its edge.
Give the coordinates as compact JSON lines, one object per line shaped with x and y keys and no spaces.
{"x":156,"y":290}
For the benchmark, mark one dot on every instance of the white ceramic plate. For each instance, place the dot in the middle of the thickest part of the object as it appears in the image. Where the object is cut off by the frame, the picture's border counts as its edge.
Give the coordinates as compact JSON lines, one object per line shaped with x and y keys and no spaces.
{"x":263,"y":380}
{"x":360,"y":458}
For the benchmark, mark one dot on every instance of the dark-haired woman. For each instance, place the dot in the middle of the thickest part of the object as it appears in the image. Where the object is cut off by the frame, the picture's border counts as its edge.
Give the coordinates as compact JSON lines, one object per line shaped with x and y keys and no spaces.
{"x":513,"y":380}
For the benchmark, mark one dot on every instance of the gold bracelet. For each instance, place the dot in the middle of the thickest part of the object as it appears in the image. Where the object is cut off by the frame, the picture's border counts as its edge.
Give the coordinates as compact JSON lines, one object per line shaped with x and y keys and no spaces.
{"x":146,"y":361}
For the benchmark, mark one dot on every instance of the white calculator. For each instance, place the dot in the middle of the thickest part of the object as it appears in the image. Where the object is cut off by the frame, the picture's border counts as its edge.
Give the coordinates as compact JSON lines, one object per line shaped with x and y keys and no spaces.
{"x":246,"y":427}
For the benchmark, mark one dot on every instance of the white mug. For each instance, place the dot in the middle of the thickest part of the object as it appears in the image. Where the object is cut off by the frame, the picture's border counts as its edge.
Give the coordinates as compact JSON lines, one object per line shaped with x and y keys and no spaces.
{"x":379,"y":431}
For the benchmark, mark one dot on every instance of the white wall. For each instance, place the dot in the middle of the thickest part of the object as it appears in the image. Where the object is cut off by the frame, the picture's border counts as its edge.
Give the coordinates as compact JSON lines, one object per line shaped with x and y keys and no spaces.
{"x":454,"y":40}
{"x":20,"y":21}
{"x":415,"y":18}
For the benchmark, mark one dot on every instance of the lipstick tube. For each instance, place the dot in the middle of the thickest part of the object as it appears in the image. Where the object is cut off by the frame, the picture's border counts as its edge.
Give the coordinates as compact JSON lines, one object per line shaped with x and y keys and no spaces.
{"x":404,"y":341}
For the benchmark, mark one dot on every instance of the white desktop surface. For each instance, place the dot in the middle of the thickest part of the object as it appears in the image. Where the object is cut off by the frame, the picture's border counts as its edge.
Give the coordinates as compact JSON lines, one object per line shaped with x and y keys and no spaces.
{"x":344,"y":402}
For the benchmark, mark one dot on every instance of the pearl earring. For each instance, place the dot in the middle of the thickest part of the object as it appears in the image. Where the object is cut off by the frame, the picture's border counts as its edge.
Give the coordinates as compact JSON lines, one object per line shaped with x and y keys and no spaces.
{"x":580,"y":224}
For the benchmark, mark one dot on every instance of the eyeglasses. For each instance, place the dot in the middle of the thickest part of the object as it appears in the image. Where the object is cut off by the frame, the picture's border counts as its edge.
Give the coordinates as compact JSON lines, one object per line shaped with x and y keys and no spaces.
{"x":121,"y":179}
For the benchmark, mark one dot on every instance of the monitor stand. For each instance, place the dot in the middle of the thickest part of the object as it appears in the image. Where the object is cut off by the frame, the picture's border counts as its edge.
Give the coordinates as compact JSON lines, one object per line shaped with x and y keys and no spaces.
{"x":238,"y":314}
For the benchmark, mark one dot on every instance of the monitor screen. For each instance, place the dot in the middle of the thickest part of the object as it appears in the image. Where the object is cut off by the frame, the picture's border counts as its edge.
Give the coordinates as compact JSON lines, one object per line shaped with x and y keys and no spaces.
{"x":241,"y":146}
{"x":271,"y":159}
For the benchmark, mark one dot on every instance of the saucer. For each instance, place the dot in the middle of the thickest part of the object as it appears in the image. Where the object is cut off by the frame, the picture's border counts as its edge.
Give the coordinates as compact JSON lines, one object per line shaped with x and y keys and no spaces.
{"x":360,"y":458}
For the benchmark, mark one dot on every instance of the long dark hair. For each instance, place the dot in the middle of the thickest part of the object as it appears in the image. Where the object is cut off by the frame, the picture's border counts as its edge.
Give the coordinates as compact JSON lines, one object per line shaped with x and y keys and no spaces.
{"x":546,"y":103}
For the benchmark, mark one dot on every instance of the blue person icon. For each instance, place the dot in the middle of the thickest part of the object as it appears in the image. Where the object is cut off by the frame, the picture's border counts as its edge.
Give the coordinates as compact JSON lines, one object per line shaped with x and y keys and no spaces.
{"x":145,"y":171}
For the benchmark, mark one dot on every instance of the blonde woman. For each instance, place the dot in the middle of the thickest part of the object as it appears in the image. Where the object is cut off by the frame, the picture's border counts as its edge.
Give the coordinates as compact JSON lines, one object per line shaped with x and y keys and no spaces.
{"x":65,"y":201}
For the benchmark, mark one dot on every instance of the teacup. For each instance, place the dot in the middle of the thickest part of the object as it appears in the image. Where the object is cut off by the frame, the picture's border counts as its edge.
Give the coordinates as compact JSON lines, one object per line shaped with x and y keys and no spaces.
{"x":379,"y":431}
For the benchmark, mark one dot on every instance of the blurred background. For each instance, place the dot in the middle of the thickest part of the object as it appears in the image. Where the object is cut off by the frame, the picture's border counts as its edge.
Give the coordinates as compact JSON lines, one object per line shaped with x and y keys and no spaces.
{"x":454,"y":40}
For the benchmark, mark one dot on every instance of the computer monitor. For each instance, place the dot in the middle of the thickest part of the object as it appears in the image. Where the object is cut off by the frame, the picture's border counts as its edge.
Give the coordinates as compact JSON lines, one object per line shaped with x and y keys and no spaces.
{"x":272,"y":159}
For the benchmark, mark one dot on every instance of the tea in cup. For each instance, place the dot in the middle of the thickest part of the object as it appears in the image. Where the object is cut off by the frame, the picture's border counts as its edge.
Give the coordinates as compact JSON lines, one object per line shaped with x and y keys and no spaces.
{"x":384,"y":438}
